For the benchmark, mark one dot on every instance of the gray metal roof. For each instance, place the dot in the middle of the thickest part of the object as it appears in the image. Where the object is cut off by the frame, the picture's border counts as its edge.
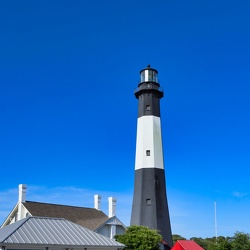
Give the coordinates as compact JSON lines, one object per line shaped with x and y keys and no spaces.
{"x":90,"y":218}
{"x":53,"y":232}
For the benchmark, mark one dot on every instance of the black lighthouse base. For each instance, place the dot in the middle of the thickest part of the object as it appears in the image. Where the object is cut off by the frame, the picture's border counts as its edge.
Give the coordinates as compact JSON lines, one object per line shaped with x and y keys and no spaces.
{"x":150,"y":207}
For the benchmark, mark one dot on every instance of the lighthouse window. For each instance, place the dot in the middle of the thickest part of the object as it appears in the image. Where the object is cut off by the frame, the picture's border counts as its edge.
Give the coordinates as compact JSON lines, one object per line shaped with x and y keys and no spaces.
{"x":150,"y":75}
{"x":147,"y":152}
{"x":148,"y":202}
{"x":143,"y":76}
{"x":148,"y":107}
{"x":154,"y":77}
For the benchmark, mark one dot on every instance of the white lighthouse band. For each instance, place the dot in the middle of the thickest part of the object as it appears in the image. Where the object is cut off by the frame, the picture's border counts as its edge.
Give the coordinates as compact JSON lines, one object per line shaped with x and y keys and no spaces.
{"x":149,"y":143}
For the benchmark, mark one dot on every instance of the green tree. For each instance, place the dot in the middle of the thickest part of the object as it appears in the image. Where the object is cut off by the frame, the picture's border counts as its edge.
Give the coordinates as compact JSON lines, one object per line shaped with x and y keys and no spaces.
{"x":222,"y":243}
{"x":240,"y":241}
{"x":140,"y":238}
{"x":176,"y":237}
{"x":204,"y":243}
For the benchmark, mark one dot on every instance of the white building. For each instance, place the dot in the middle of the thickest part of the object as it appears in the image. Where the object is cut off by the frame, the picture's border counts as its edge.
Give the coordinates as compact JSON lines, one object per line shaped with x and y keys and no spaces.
{"x":91,"y":218}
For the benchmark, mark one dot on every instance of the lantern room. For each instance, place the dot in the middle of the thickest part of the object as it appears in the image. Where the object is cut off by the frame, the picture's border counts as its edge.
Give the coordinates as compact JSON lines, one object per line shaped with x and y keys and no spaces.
{"x":148,"y":75}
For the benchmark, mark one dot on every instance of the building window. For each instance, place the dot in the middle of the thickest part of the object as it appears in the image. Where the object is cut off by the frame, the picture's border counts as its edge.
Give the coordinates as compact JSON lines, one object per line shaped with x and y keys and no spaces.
{"x":148,"y":107}
{"x":148,"y":202}
{"x":147,"y":152}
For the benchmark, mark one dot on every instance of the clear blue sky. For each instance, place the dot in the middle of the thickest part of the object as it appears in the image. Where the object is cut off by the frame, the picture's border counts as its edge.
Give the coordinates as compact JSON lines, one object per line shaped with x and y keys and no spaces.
{"x":68,"y":70}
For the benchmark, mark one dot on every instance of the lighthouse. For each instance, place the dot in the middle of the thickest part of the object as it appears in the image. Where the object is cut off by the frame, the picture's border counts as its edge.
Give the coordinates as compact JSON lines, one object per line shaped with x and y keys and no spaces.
{"x":150,"y":206}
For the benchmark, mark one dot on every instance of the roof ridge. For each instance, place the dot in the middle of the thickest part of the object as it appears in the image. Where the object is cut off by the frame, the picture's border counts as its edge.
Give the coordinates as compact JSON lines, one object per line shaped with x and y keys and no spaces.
{"x":45,"y":217}
{"x":55,"y":204}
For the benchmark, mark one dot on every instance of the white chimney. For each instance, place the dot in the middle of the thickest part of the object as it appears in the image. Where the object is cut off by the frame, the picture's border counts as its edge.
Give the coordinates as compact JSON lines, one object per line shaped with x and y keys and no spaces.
{"x":21,"y":198}
{"x":97,"y":201}
{"x":22,"y":193}
{"x":112,"y":206}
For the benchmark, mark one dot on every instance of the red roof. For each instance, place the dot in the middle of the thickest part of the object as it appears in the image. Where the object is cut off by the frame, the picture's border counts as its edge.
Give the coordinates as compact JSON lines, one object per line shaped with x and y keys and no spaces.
{"x":186,"y":245}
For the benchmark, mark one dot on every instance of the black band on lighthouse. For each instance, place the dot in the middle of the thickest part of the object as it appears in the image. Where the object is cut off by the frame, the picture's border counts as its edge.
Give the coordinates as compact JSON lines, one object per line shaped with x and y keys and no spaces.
{"x":149,"y":104}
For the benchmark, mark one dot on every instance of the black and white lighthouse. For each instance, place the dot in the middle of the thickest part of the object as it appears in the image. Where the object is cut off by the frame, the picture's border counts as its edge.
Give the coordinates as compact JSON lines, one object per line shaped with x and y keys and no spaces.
{"x":150,"y":206}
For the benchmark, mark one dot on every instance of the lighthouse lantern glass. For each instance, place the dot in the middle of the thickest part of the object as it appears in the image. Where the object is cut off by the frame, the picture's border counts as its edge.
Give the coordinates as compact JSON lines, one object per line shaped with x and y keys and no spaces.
{"x":149,"y":75}
{"x":143,"y":76}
